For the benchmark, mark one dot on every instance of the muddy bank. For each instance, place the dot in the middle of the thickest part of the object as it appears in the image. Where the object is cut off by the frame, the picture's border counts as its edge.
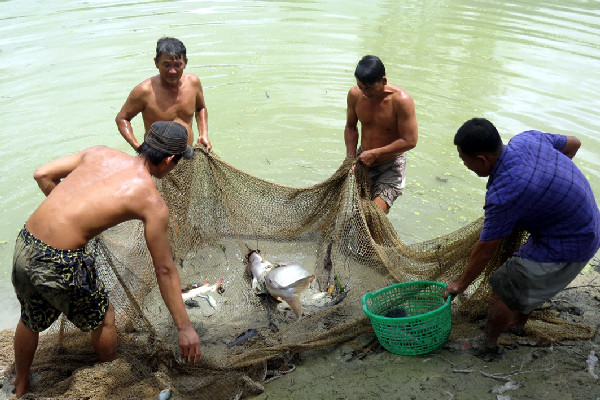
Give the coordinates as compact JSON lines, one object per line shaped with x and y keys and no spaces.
{"x":358,"y":369}
{"x":363,"y":370}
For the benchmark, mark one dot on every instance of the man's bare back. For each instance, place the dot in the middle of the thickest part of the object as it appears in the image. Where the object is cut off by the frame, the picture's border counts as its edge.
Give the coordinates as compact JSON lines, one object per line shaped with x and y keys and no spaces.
{"x":169,"y":96}
{"x":105,"y":187}
{"x":87,"y":193}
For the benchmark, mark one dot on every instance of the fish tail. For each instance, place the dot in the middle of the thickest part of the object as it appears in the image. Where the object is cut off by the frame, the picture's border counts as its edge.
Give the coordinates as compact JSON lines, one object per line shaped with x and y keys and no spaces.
{"x":298,"y":287}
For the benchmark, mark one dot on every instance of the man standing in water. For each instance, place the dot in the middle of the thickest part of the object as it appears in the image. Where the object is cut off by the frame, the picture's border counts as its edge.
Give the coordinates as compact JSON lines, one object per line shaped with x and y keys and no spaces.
{"x":169,"y":96}
{"x":533,"y":185}
{"x":87,"y":193}
{"x":388,"y":129}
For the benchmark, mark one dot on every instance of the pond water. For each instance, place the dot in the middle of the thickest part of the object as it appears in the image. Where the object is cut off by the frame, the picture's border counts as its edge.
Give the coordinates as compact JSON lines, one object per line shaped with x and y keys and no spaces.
{"x":275,"y":77}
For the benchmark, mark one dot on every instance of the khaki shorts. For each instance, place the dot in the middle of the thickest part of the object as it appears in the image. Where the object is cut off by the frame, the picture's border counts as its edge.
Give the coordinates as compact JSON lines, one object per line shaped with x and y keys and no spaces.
{"x":524,"y":285}
{"x":50,"y":281}
{"x":388,"y":178}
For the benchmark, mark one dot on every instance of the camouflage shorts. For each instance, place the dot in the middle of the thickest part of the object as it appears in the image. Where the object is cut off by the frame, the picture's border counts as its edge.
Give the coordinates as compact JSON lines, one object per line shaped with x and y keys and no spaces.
{"x":50,"y":281}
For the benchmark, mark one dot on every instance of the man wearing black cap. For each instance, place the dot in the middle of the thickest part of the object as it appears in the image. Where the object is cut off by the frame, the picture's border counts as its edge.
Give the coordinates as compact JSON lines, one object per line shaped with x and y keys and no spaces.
{"x":87,"y":193}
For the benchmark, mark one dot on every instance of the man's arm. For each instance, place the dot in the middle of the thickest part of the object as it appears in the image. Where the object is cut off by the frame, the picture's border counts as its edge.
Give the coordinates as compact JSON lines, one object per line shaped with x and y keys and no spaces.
{"x":155,"y":231}
{"x":351,"y":129}
{"x":202,"y":118}
{"x":480,"y":256}
{"x":406,"y":121}
{"x":134,"y":105}
{"x":572,"y":146}
{"x":49,"y":175}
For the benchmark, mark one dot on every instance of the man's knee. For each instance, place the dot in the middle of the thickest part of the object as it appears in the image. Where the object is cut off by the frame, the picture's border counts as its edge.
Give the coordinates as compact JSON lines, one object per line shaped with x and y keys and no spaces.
{"x":382,"y":204}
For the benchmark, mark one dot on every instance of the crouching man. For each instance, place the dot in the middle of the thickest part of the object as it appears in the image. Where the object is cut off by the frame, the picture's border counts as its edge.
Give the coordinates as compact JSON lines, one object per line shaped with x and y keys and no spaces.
{"x":87,"y":193}
{"x":533,"y":185}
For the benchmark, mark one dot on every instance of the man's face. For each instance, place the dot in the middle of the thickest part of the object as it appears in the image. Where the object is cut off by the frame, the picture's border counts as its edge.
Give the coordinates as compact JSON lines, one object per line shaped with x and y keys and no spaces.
{"x":477,"y":164}
{"x":374,"y":90}
{"x":170,"y":68}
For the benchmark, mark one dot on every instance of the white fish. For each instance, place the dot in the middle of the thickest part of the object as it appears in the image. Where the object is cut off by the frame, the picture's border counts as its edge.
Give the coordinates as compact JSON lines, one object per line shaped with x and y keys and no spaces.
{"x":284,"y":282}
{"x":257,"y":266}
{"x":591,"y":361}
{"x":164,"y":394}
{"x":210,"y":300}
{"x":190,"y":294}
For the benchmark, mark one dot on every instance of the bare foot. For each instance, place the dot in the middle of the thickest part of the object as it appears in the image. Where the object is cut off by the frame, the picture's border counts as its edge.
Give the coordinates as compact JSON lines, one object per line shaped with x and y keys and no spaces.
{"x":490,"y":353}
{"x":21,"y":386}
{"x":516,"y":330}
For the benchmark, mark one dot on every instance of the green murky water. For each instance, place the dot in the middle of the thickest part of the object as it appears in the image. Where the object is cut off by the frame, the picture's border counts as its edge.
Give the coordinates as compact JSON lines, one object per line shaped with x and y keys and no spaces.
{"x":275,"y":77}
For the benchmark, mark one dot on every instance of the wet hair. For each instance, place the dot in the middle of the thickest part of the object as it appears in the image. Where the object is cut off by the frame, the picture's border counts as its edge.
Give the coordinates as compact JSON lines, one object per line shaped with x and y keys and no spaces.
{"x":170,"y":47}
{"x":370,"y":70}
{"x":478,"y":136}
{"x":155,"y":156}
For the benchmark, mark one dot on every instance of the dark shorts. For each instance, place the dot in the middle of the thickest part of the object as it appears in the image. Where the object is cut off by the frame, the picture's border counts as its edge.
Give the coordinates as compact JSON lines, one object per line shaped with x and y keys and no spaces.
{"x":524,"y":285}
{"x":50,"y":281}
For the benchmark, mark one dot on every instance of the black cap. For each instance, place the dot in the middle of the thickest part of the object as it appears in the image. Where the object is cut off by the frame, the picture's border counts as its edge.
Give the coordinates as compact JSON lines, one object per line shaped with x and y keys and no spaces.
{"x":169,"y":137}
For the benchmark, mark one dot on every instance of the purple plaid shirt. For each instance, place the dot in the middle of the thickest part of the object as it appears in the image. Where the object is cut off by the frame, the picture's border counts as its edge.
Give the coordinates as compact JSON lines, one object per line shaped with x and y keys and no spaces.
{"x":535,"y":187}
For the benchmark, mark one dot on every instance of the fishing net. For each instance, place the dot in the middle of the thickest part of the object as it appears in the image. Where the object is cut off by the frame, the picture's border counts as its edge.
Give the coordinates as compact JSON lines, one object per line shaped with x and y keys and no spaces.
{"x":217,"y":212}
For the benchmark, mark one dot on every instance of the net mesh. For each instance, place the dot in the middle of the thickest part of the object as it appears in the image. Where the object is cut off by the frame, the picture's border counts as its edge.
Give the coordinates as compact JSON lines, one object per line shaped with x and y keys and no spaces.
{"x":217,"y":212}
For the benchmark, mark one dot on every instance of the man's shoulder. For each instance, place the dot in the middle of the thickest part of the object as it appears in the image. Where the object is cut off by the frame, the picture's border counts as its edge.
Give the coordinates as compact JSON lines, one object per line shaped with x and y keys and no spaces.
{"x":190,"y":79}
{"x":398,"y":94}
{"x":146,"y":86}
{"x":103,"y":151}
{"x":354,"y":91}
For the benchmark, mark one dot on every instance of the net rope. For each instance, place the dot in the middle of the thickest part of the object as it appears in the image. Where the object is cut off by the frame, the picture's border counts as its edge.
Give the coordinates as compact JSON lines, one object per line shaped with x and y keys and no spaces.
{"x":217,"y":212}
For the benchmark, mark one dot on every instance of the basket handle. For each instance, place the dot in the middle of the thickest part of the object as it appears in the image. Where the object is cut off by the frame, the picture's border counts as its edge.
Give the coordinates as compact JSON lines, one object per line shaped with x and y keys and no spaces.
{"x":366,"y":297}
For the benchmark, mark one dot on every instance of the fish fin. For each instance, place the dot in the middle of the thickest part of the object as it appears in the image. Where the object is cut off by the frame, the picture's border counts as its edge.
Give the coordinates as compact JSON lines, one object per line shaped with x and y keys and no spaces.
{"x":254,"y":283}
{"x":219,"y":283}
{"x":296,"y":306}
{"x":206,"y":282}
{"x":302,"y":284}
{"x":298,"y":287}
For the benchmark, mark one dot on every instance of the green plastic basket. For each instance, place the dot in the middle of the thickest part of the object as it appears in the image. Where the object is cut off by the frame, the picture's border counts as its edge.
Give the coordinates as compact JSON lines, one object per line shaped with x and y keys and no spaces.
{"x":418,"y":317}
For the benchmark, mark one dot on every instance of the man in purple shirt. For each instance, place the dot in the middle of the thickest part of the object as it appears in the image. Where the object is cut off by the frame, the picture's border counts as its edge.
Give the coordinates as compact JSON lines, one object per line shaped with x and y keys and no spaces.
{"x":534,"y":186}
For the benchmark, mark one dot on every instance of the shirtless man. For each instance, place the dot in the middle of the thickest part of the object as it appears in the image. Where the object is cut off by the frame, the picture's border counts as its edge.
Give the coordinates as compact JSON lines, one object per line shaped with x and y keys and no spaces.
{"x":87,"y":193}
{"x":169,"y":96}
{"x":389,"y":129}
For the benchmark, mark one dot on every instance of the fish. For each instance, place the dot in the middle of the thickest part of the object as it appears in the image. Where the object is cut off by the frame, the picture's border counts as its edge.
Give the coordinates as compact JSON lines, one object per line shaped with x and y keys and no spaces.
{"x":190,"y":293}
{"x":337,"y":300}
{"x":244,"y":336}
{"x":399,"y":312}
{"x":257,"y":266}
{"x":283,"y":282}
{"x":164,"y":394}
{"x":591,"y":361}
{"x":191,"y":303}
{"x":210,"y":300}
